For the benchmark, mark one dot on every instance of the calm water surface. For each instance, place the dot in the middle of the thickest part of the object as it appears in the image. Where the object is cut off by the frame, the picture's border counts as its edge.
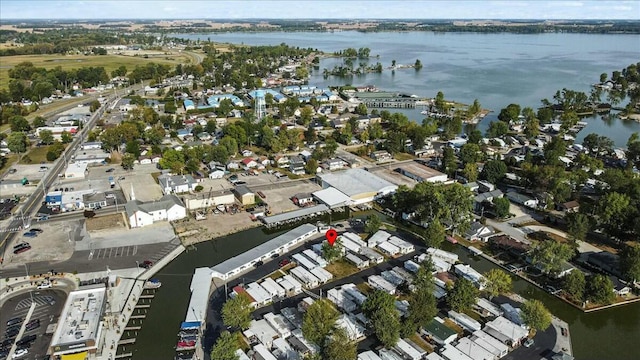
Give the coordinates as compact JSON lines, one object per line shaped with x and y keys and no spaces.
{"x":497,"y":69}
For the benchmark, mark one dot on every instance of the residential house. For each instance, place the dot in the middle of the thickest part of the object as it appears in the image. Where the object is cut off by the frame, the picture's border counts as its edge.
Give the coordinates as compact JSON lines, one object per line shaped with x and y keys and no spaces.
{"x":306,"y":155}
{"x":480,"y":199}
{"x":522,"y":199}
{"x":507,"y":243}
{"x":281,"y":161}
{"x":144,"y":160}
{"x":479,"y":232}
{"x":175,"y":184}
{"x":263,"y":162}
{"x":302,"y":199}
{"x":570,"y":206}
{"x":249,"y":163}
{"x":439,"y":332}
{"x":381,"y":156}
{"x":247,"y":152}
{"x":182,"y":133}
{"x":233,"y":165}
{"x":296,"y":165}
{"x":244,"y":195}
{"x":334,"y":164}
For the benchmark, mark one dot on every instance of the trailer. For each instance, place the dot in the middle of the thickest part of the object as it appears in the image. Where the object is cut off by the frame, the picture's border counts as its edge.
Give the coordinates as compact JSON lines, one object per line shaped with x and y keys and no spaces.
{"x":404,"y":246}
{"x":323,"y":275}
{"x":338,"y":297}
{"x":303,"y":261}
{"x":290,"y":285}
{"x":272,"y":287}
{"x":377,"y":282}
{"x":305,"y":277}
{"x":279,"y":324}
{"x":355,"y":238}
{"x":374,"y":256}
{"x":409,"y":351}
{"x":388,"y":249}
{"x":352,"y":292}
{"x":411,"y":266}
{"x":258,"y":293}
{"x":392,"y":277}
{"x":356,"y":260}
{"x":315,"y":258}
{"x":349,"y":245}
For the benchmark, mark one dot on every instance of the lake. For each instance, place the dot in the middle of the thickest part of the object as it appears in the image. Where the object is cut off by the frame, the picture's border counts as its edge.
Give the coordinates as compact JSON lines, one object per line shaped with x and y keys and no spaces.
{"x":497,"y":69}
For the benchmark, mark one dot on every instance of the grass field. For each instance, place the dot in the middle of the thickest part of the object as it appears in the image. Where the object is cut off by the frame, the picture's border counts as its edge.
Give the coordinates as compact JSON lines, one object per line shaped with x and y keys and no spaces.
{"x":37,"y":155}
{"x":105,"y":222}
{"x":67,"y":62}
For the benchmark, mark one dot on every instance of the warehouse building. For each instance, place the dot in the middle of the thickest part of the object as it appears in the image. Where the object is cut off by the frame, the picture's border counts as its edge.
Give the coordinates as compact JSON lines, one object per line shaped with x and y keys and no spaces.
{"x":359,"y":185}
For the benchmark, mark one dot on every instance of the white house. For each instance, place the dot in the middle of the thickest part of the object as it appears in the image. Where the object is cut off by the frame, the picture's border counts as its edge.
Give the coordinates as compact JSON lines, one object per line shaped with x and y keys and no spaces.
{"x":177,"y":183}
{"x":168,"y":208}
{"x":216,"y":174}
{"x":479,"y":232}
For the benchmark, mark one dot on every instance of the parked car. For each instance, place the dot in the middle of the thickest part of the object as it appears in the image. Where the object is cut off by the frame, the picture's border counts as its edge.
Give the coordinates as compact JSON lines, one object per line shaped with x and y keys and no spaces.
{"x":146,"y":264}
{"x":12,"y":171}
{"x":20,"y":353}
{"x":26,"y":340}
{"x":30,"y":234}
{"x":45,"y":285}
{"x":528,"y":343}
{"x":33,"y":324}
{"x":22,"y":249}
{"x":36,"y":230}
{"x":259,"y":263}
{"x":20,"y":245}
{"x":14,"y":321}
{"x":110,"y":170}
{"x":283,"y":262}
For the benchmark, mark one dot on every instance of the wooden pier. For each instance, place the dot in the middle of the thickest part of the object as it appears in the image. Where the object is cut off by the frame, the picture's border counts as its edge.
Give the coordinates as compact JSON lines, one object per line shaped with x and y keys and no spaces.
{"x":128,"y":328}
{"x":124,"y":355}
{"x":127,"y":341}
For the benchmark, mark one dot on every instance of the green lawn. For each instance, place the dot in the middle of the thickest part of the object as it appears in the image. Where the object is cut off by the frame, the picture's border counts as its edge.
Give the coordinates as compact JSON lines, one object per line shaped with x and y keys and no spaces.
{"x":37,"y":155}
{"x":341,"y":269}
{"x":67,"y":62}
{"x":403,"y":156}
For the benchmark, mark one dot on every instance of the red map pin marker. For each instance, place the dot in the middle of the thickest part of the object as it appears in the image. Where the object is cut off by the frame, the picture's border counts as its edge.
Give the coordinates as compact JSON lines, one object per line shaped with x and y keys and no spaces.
{"x":331,"y":236}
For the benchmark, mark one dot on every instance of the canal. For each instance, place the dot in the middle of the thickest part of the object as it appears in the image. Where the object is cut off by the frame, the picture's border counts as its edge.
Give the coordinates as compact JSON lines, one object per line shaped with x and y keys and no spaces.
{"x":607,"y":334}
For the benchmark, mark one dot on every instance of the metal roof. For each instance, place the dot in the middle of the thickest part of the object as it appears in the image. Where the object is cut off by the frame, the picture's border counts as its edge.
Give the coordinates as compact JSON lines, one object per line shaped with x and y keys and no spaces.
{"x":263,"y":249}
{"x":354,"y":182}
{"x":270,"y":220}
{"x":332,"y":197}
{"x":200,"y":286}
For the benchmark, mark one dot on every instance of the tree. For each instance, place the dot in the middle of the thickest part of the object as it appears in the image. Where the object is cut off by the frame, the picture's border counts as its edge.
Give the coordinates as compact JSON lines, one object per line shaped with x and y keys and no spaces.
{"x":333,"y":252}
{"x":422,"y":302}
{"x":550,"y":255}
{"x":95,"y":105}
{"x":46,"y":137}
{"x":501,"y":207}
{"x":19,"y":124}
{"x":127,"y":161}
{"x":630,"y":262}
{"x":225,"y":347}
{"x":470,"y":153}
{"x":600,"y":289}
{"x":510,"y":113}
{"x":449,"y":164}
{"x":236,"y":312}
{"x":384,"y":318}
{"x":338,"y":346}
{"x":493,"y":171}
{"x":577,"y":226}
{"x":372,"y":224}
{"x":535,"y":314}
{"x":311,"y":167}
{"x":173,"y":160}
{"x":39,"y":121}
{"x":133,"y":148}
{"x":575,"y":284}
{"x":319,"y":321}
{"x":470,"y":172}
{"x":66,"y":137}
{"x":497,"y":129}
{"x":434,"y":233}
{"x":497,"y":282}
{"x":612,"y":210}
{"x":17,"y":142}
{"x":462,"y":295}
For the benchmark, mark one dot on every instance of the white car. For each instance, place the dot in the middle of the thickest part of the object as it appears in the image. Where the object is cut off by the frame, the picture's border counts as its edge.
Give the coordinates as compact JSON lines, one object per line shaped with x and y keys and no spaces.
{"x":528,"y":343}
{"x":44,"y":285}
{"x":20,"y":353}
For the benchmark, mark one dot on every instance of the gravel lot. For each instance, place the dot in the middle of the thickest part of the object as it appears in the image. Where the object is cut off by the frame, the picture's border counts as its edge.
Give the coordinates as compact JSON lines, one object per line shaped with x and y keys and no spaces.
{"x":51,"y":245}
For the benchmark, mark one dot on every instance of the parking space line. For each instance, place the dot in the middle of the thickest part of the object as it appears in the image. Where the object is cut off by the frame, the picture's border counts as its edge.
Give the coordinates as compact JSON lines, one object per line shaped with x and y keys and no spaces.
{"x":110,"y":250}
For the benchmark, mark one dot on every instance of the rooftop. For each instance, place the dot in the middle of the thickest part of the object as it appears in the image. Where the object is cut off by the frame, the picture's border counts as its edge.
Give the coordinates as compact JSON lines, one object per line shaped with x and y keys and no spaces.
{"x":332,"y":197}
{"x":418,"y":171}
{"x":200,"y":286}
{"x":291,"y":215}
{"x":166,"y":202}
{"x":79,"y":324}
{"x":357,"y":181}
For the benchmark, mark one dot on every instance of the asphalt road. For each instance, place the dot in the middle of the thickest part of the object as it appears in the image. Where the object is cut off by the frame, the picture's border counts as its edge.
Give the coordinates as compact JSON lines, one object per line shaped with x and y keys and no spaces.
{"x":47,"y":314}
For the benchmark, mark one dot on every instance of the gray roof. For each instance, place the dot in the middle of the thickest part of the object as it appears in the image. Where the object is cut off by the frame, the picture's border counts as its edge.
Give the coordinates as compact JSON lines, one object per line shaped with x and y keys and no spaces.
{"x":488,"y":195}
{"x":269,"y":220}
{"x":332,"y":197}
{"x":262,"y":249}
{"x":165,"y":202}
{"x":242,"y":190}
{"x":356,"y":181}
{"x":175,"y":180}
{"x":93,"y":198}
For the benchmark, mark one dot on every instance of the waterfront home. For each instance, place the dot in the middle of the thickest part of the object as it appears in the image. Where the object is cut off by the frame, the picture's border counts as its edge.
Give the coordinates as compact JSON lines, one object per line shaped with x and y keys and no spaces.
{"x":522,"y":199}
{"x":507,"y":243}
{"x":470,"y":274}
{"x":168,"y":208}
{"x":479,"y":232}
{"x":506,"y":331}
{"x":486,"y":308}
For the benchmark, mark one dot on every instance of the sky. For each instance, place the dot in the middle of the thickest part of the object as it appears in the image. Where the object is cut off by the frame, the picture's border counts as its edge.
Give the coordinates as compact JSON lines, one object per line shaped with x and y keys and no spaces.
{"x":315,"y":9}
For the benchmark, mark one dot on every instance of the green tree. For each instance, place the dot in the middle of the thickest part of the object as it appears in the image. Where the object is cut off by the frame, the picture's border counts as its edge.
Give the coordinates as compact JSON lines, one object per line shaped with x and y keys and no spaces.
{"x":66,"y":137}
{"x":372,"y":224}
{"x":612,"y":210}
{"x":95,"y":105}
{"x":497,"y":129}
{"x":338,"y":346}
{"x":319,"y":321}
{"x":225,"y":347}
{"x":493,"y":171}
{"x":333,"y":252}
{"x":17,"y":142}
{"x":434,"y":233}
{"x":46,"y":137}
{"x":449,"y":164}
{"x":600,"y":289}
{"x":462,"y":295}
{"x":236,"y":312}
{"x":510,"y":113}
{"x":127,"y":161}
{"x":497,"y":282}
{"x":210,"y":127}
{"x":535,"y":314}
{"x":19,"y":124}
{"x":577,"y":226}
{"x":470,"y":172}
{"x":574,"y":284}
{"x":173,"y":160}
{"x":311,"y":167}
{"x":39,"y":121}
{"x":133,"y":148}
{"x":422,"y":302}
{"x":470,"y":153}
{"x":501,"y":207}
{"x":384,"y":318}
{"x":630,"y":262}
{"x":550,"y":255}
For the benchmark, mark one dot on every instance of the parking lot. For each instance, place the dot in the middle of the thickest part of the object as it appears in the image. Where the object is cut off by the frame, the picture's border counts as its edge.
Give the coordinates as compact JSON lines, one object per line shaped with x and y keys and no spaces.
{"x":49,"y":304}
{"x":52,"y":244}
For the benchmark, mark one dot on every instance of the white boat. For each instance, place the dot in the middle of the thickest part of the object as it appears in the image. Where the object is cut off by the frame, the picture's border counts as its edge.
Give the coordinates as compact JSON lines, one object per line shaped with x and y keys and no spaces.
{"x":152,"y":284}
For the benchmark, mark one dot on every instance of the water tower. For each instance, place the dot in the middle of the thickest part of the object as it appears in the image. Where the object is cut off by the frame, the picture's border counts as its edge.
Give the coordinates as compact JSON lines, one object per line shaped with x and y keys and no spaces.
{"x":260,"y":105}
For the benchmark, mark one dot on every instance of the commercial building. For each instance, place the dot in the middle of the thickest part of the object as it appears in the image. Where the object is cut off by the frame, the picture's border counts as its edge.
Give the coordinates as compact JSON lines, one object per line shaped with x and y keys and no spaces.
{"x":76,"y":170}
{"x":277,"y":245}
{"x":244,"y":195}
{"x":208,"y":199}
{"x":359,"y":185}
{"x":94,"y":201}
{"x":332,"y":197}
{"x":168,"y":208}
{"x":421,"y":173}
{"x":80,"y":326}
{"x":295,"y":215}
